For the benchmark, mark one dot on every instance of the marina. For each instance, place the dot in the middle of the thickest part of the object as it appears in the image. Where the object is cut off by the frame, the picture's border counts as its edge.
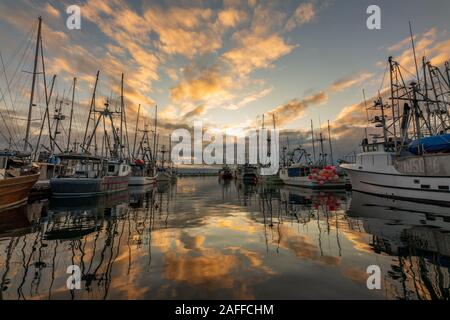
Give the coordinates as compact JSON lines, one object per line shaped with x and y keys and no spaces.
{"x":141,"y":165}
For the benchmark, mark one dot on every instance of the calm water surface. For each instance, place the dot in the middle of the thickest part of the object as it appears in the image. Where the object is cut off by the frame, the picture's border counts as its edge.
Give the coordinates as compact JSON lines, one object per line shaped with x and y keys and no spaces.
{"x":201,"y":238}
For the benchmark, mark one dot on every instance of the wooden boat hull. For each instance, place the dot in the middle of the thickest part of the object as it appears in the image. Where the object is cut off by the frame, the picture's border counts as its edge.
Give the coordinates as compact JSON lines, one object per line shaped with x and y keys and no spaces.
{"x":15,"y":191}
{"x":88,"y":187}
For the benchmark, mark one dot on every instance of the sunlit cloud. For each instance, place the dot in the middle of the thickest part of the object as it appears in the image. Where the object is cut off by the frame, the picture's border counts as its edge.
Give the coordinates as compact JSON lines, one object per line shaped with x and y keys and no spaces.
{"x":305,"y":13}
{"x":295,"y":108}
{"x":351,"y":81}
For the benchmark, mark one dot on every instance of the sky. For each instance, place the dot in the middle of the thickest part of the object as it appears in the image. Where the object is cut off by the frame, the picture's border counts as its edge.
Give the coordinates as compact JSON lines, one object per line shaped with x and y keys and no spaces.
{"x":226,"y":62}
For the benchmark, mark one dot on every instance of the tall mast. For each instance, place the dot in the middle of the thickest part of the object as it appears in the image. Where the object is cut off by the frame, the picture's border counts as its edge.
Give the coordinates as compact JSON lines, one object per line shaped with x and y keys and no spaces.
{"x":313,"y":143}
{"x":425,"y":95}
{"x":367,"y":113}
{"x":71,"y":114}
{"x":46,"y":117}
{"x":121,"y":118}
{"x":321,"y":144}
{"x":155,"y":134}
{"x":414,"y":50}
{"x":393,"y":104}
{"x":329,"y":140}
{"x":417,"y":111}
{"x":136,"y":131}
{"x":58,"y":117}
{"x":30,"y":107}
{"x":170,"y":150}
{"x":383,"y":118}
{"x":91,"y":111}
{"x":447,"y":70}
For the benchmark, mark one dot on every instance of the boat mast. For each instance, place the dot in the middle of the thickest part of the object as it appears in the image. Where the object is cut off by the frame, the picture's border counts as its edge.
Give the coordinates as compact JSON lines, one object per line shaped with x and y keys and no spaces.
{"x":322,"y":154}
{"x":155,"y":135}
{"x":46,"y":117}
{"x":425,"y":95}
{"x":58,"y":117}
{"x":393,"y":103}
{"x":414,"y":50}
{"x":447,"y":70}
{"x":33,"y":85}
{"x":313,"y":143}
{"x":121,"y":140}
{"x":379,"y":103}
{"x":91,"y":111}
{"x":136,"y":132}
{"x":71,"y":114}
{"x":329,"y":140}
{"x":367,"y":114}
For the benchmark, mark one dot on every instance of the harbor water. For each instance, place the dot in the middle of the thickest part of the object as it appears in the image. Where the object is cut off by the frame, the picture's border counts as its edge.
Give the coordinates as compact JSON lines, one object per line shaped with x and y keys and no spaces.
{"x":204,"y":238}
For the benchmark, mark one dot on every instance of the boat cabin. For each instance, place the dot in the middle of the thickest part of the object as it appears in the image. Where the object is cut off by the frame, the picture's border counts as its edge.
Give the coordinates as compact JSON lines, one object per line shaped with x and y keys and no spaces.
{"x":14,"y":164}
{"x":80,"y":166}
{"x":116,"y":168}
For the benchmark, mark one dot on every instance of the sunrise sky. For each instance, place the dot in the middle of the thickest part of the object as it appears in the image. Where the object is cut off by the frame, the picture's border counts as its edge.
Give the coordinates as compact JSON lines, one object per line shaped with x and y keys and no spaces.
{"x":227,"y":62}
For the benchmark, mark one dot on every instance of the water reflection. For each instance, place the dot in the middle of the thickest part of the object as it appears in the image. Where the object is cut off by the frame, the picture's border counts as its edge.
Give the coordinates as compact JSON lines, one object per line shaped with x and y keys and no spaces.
{"x":208,"y":238}
{"x":418,"y":235}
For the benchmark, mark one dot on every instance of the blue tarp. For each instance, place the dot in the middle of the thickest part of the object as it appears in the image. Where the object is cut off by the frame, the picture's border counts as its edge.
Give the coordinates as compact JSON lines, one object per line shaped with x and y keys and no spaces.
{"x":433,"y":144}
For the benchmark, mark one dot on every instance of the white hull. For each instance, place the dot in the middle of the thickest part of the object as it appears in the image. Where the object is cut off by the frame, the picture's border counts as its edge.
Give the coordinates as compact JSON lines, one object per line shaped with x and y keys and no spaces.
{"x":413,"y":188}
{"x":141,"y":181}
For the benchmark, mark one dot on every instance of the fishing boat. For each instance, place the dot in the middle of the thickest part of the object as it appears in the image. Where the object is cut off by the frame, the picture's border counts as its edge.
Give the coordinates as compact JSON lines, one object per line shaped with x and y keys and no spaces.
{"x":141,"y":174}
{"x":412,"y":160}
{"x":86,"y":176}
{"x":17,"y":177}
{"x":304,"y":172}
{"x":163,"y":172}
{"x":311,"y":176}
{"x":143,"y":167}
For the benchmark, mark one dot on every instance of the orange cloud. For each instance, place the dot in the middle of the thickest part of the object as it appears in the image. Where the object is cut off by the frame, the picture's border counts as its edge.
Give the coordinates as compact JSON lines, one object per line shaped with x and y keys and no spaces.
{"x":52,"y":10}
{"x":210,"y":83}
{"x":350,"y":81}
{"x":295,"y":108}
{"x":185,"y":31}
{"x":232,"y":17}
{"x":305,"y":13}
{"x":257,"y":52}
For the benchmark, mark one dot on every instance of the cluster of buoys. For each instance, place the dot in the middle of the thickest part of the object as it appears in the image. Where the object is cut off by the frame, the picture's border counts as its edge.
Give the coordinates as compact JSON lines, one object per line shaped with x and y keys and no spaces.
{"x":325,"y":201}
{"x":327,"y":174}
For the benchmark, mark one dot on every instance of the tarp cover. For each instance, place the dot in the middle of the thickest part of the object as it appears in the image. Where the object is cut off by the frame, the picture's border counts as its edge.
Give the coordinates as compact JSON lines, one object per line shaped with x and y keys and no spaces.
{"x":433,"y":144}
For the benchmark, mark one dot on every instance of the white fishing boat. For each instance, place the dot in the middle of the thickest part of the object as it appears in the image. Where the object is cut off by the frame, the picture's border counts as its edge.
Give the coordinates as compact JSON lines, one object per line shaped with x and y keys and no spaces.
{"x":424,"y":178}
{"x":412,"y":161}
{"x":304,"y":172}
{"x":300,"y":175}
